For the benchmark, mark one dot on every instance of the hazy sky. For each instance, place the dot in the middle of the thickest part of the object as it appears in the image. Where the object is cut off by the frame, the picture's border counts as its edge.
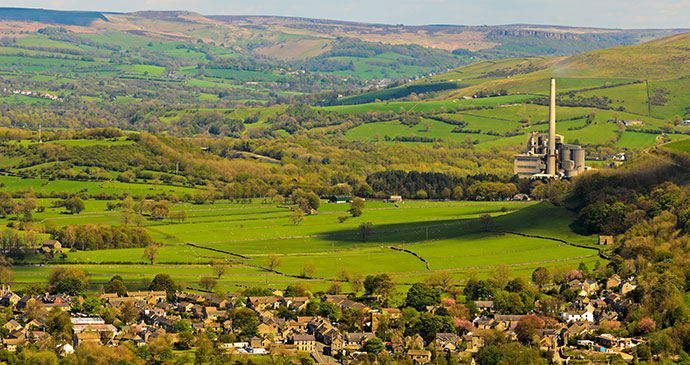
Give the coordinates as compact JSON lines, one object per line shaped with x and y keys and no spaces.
{"x":595,"y":13}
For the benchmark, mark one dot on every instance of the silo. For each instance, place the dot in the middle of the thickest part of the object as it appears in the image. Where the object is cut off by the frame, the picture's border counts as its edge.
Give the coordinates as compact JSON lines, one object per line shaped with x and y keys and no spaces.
{"x":579,"y":157}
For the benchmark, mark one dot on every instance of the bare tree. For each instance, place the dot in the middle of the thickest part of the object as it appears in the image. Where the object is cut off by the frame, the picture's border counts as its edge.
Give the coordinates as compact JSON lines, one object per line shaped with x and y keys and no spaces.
{"x":308,"y":270}
{"x":219,"y":268}
{"x":273,"y":261}
{"x":150,"y":253}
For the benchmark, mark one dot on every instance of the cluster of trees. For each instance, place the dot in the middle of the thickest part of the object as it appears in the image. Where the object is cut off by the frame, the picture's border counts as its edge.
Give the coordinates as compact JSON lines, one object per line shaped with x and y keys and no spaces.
{"x":436,"y":185}
{"x":96,"y":237}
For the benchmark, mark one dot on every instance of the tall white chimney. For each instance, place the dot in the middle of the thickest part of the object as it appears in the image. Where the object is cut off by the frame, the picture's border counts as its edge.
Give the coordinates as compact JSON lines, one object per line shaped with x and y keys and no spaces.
{"x":551,"y":158}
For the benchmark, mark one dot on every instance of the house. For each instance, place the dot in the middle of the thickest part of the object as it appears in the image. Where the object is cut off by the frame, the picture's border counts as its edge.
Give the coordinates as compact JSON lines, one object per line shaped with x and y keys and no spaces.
{"x":214,"y":314}
{"x":136,"y":339}
{"x":255,"y":343}
{"x":35,"y":324}
{"x":86,"y":337}
{"x":150,"y":297}
{"x":613,"y":282}
{"x":304,"y":342}
{"x":632,"y":122}
{"x":333,"y":298}
{"x":507,"y":322}
{"x":474,"y":340}
{"x":627,"y":287}
{"x":485,"y":305}
{"x":51,"y":246}
{"x":395,"y":199}
{"x":12,"y":325}
{"x":11,"y":343}
{"x":521,"y":197}
{"x":549,"y":339}
{"x":609,"y":341}
{"x":446,"y":341}
{"x":391,"y":314}
{"x":339,"y":199}
{"x":590,"y":286}
{"x":356,"y":340}
{"x":419,"y":356}
{"x":577,"y":316}
{"x":605,"y":240}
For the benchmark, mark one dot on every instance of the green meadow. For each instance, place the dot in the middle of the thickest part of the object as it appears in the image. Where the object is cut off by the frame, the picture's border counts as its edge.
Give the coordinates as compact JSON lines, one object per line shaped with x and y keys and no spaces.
{"x":447,"y":234}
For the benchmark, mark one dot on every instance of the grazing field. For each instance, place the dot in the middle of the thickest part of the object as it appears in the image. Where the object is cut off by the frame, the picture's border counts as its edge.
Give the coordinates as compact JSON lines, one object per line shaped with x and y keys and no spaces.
{"x":448,"y":234}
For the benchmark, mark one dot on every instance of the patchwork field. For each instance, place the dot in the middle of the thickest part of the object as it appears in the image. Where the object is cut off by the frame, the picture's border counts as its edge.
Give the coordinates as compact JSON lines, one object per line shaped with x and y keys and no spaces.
{"x":447,"y":234}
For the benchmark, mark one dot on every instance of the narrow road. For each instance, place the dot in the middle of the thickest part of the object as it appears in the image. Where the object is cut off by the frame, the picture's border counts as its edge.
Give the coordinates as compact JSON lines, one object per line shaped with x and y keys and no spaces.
{"x":322,"y":358}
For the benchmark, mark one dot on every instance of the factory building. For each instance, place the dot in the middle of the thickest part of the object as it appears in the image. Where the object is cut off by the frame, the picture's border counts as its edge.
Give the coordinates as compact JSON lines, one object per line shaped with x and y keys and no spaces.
{"x":546,"y":155}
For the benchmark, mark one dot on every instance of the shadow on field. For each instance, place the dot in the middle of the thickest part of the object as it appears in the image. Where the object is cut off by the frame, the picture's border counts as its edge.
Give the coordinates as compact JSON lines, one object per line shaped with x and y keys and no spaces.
{"x":543,"y":217}
{"x":401,"y":233}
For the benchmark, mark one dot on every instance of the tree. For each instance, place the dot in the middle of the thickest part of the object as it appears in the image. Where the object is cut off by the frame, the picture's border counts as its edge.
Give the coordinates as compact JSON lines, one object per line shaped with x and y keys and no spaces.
{"x":34,"y":309}
{"x":178,"y":215}
{"x":219,"y":268}
{"x":273,"y":261}
{"x":116,"y":286}
{"x":421,"y":295}
{"x":127,"y":176}
{"x":355,"y":280}
{"x":381,"y":284}
{"x":500,"y":276}
{"x":527,"y":329}
{"x":365,"y":229}
{"x":245,"y":320}
{"x":163,"y":282}
{"x":306,"y":200}
{"x":541,"y":276}
{"x":7,"y":204}
{"x":160,"y":210}
{"x":181,"y":325}
{"x":646,"y":325}
{"x":59,"y":324}
{"x":6,"y":275}
{"x":308,"y":270}
{"x":487,"y":222}
{"x":208,"y":283}
{"x":356,"y":207}
{"x":74,"y":205}
{"x":150,"y":253}
{"x":489,"y":355}
{"x":374,"y":346}
{"x":127,"y":312}
{"x":297,"y":216}
{"x":70,"y":286}
{"x":442,"y":280}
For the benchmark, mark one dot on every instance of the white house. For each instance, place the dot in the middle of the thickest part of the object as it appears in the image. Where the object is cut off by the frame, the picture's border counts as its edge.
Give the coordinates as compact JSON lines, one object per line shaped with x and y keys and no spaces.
{"x":578,"y":316}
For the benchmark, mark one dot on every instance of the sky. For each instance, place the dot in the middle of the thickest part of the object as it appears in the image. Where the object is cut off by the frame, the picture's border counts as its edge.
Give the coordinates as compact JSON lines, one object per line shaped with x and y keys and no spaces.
{"x":590,"y":13}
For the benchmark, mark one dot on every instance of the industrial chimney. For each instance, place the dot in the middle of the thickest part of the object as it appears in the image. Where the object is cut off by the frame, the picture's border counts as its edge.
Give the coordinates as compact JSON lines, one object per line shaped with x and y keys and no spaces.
{"x":551,"y":158}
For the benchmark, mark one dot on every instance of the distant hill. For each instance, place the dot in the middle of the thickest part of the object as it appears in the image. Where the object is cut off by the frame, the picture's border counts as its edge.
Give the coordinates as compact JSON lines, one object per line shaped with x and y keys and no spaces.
{"x":81,"y":18}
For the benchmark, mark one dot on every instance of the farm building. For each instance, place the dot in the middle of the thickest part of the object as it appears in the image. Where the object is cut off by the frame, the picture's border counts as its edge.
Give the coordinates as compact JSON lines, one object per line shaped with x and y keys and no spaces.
{"x":51,"y":245}
{"x":605,"y":240}
{"x":395,"y":199}
{"x":339,"y":199}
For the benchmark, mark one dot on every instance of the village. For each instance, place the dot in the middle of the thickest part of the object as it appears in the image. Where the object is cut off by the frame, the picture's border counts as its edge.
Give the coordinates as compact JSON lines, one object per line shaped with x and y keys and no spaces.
{"x":329,"y":328}
{"x":33,"y":94}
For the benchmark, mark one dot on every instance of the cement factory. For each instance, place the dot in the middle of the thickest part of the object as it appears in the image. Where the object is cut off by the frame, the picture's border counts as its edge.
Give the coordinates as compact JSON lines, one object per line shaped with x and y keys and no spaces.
{"x":546,"y":155}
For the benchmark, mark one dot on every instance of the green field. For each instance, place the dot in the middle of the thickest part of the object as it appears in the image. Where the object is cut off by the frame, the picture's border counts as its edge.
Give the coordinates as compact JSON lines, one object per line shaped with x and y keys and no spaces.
{"x":446,"y":233}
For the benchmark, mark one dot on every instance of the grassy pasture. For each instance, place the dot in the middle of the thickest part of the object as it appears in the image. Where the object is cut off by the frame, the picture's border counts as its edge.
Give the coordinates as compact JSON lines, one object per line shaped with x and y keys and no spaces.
{"x":447,"y":234}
